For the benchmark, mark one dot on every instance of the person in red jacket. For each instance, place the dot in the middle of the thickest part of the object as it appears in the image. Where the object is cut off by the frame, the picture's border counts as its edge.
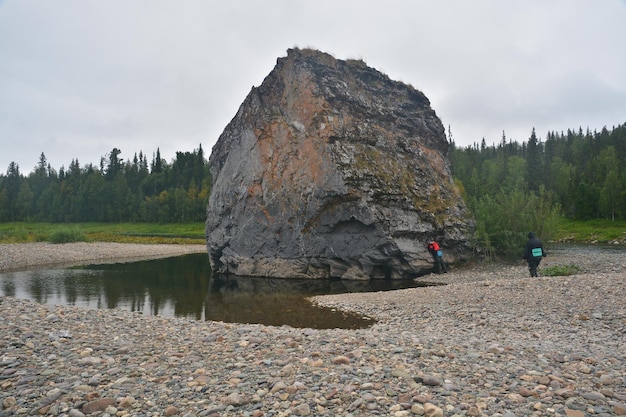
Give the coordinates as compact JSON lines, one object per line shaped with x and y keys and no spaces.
{"x":437,"y":253}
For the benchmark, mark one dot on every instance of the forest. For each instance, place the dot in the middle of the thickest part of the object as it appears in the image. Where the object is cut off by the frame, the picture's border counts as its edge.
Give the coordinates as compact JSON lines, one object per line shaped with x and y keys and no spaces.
{"x":509,"y":187}
{"x":115,"y":191}
{"x":513,"y":187}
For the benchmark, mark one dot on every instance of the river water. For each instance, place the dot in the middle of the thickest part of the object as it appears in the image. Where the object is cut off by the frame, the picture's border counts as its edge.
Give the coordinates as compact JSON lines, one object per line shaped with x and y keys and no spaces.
{"x":184,"y":286}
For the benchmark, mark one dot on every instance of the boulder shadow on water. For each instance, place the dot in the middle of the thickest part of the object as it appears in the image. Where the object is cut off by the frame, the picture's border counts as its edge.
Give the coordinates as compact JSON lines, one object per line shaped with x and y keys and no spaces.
{"x":274,"y":302}
{"x":282,"y":301}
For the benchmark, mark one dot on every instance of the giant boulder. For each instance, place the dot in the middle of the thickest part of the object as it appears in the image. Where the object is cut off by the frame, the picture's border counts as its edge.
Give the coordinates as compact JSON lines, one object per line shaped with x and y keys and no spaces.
{"x":330,"y":169}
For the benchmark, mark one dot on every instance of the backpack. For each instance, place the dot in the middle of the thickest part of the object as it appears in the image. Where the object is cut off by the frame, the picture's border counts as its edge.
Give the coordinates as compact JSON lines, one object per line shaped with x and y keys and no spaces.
{"x":434,"y":246}
{"x":536,"y":252}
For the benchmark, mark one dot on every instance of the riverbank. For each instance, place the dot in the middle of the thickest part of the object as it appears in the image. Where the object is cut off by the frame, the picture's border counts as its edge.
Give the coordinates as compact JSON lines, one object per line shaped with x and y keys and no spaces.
{"x":41,"y":254}
{"x":493,"y":342}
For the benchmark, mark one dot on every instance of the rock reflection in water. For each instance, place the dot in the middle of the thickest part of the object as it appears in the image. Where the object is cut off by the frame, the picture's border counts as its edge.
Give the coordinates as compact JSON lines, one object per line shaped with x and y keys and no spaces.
{"x":184,"y":287}
{"x":274,"y":302}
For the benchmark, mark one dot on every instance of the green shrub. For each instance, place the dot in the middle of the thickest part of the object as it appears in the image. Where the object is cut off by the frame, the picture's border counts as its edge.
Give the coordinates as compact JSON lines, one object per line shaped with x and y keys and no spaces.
{"x":67,"y":234}
{"x":560,"y":270}
{"x":504,"y":219}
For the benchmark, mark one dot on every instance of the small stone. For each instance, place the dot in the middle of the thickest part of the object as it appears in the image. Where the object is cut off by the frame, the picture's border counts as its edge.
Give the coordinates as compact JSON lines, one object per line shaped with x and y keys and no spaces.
{"x":9,"y":402}
{"x":565,"y":393}
{"x":97,"y":405}
{"x":593,"y":396}
{"x":90,"y":361}
{"x":606,"y":379}
{"x":110,"y":410}
{"x":233,"y":399}
{"x":279,"y":386}
{"x":92,"y":395}
{"x":516,"y":398}
{"x":555,"y":385}
{"x":573,"y":413}
{"x":432,"y":380}
{"x":495,"y":349}
{"x":619,"y":409}
{"x":399,"y":373}
{"x":75,"y":413}
{"x":302,"y":410}
{"x":341,"y":360}
{"x":171,"y":411}
{"x":287,"y":370}
{"x":431,"y":410}
{"x":126,"y":402}
{"x":473,"y":411}
{"x":52,"y":317}
{"x":83,"y":388}
{"x":544,"y":380}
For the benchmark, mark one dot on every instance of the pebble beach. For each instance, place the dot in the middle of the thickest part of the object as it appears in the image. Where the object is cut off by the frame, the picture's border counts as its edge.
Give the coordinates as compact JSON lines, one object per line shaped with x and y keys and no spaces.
{"x":492,"y":342}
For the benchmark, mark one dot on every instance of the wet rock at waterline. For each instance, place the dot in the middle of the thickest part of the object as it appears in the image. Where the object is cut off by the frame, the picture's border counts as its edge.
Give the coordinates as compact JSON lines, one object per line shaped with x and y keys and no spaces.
{"x":332,"y":170}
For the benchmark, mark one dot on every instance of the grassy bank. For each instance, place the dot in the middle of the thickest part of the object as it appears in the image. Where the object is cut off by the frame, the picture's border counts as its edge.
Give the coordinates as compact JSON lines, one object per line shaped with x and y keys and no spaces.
{"x":20,"y":232}
{"x":591,"y":231}
{"x":596,"y":231}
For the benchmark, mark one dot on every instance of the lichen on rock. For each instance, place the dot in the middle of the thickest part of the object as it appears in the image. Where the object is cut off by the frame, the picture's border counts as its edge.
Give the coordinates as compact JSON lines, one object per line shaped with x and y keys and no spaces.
{"x":330,"y":169}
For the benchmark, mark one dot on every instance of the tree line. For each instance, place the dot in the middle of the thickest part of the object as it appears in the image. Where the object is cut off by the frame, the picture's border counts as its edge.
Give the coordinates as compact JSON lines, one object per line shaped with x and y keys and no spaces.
{"x":509,"y":187}
{"x":513,"y":187}
{"x":114,"y":191}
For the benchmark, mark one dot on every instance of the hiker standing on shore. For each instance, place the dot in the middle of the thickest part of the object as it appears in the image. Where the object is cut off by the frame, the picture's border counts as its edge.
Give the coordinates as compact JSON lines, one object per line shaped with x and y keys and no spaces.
{"x":437,"y":253}
{"x":533,"y":252}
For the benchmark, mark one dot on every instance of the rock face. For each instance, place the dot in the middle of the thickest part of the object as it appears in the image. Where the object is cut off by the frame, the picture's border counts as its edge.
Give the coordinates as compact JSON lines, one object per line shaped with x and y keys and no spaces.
{"x":332,"y":170}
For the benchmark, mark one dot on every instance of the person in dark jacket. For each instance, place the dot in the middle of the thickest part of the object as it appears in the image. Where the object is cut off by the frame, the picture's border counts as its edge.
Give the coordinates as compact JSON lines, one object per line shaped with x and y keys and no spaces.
{"x":533,"y":252}
{"x":437,"y":253}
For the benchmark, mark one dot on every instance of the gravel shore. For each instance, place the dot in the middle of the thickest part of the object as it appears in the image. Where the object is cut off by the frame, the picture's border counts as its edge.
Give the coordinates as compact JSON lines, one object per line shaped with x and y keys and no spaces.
{"x":493,"y":342}
{"x":42,"y":255}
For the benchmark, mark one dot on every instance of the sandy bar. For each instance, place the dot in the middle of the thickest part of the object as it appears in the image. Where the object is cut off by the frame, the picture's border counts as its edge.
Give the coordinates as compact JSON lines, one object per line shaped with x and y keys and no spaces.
{"x":37,"y":255}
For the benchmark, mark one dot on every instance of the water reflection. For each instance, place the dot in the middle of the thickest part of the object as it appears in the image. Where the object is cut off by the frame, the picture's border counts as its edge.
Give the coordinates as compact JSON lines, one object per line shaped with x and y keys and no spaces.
{"x":183,"y":286}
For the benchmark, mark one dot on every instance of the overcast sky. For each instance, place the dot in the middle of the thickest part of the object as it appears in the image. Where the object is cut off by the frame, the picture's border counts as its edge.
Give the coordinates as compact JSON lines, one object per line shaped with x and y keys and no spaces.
{"x":79,"y":78}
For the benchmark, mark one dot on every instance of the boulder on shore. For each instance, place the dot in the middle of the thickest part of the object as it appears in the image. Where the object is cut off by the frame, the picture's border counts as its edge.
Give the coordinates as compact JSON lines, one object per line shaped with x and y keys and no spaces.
{"x":330,"y":169}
